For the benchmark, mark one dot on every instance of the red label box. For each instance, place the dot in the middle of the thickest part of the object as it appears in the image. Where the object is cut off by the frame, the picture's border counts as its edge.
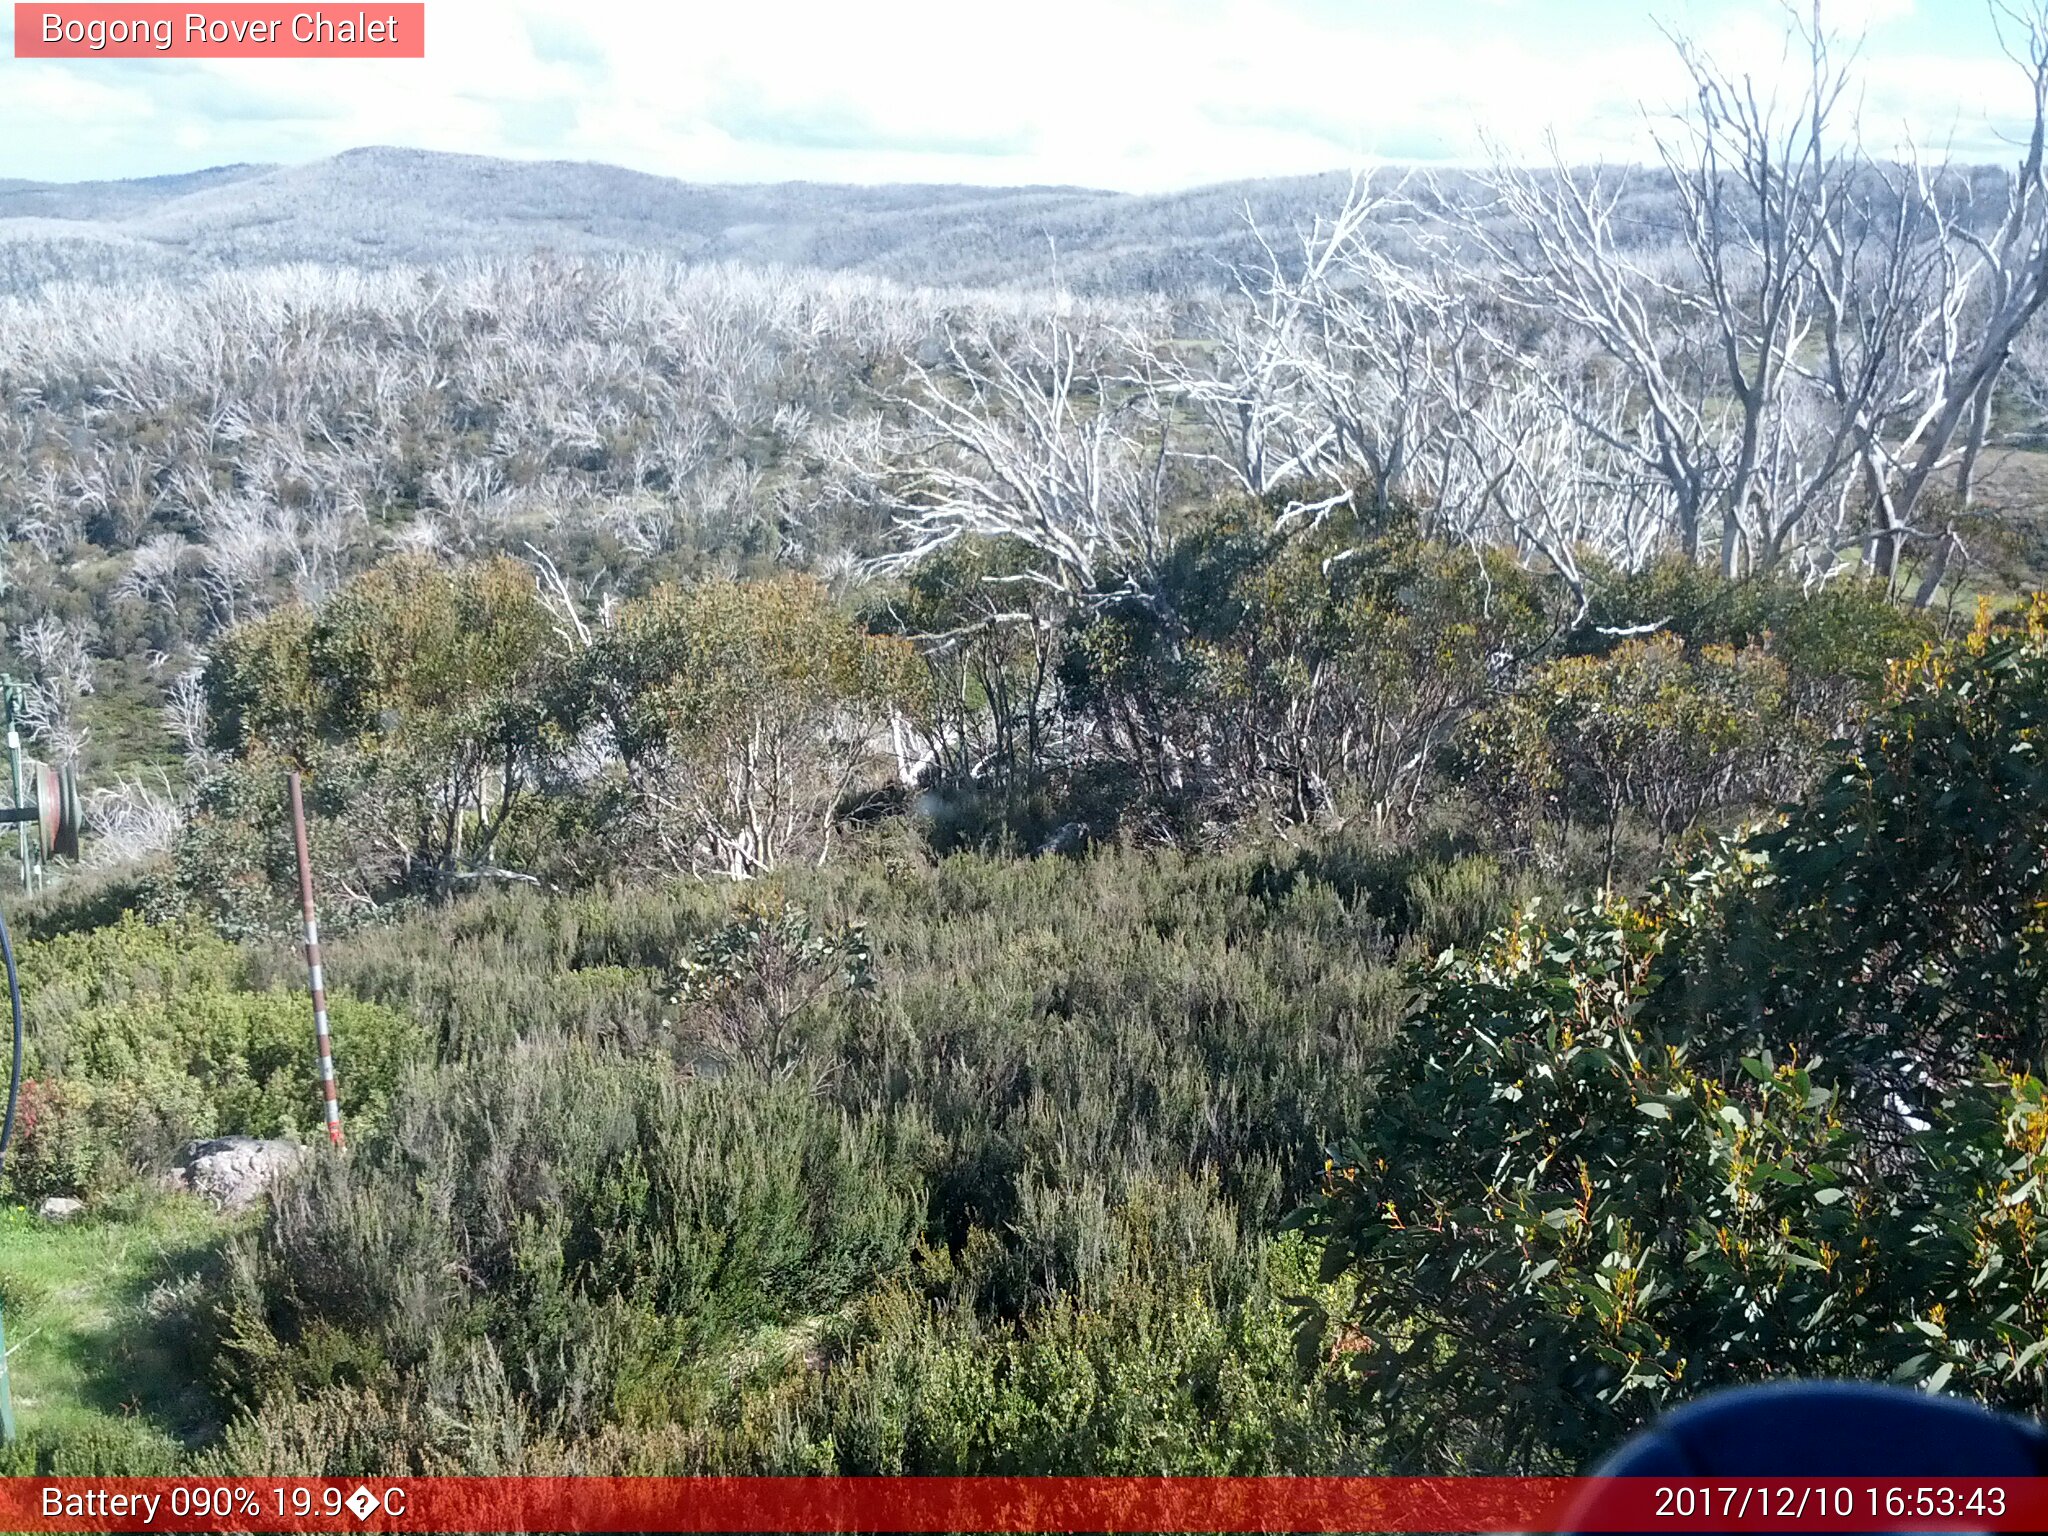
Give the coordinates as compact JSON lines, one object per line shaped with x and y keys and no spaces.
{"x":1022,"y":1506}
{"x":375,"y":30}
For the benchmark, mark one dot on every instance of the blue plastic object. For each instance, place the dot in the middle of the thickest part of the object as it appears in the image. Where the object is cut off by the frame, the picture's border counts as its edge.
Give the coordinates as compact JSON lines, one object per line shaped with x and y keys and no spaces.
{"x":1833,"y":1429}
{"x":1828,"y":1429}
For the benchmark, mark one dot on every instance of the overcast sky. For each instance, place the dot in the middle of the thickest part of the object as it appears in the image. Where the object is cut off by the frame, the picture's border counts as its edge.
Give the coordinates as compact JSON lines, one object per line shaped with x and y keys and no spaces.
{"x":1142,"y":95}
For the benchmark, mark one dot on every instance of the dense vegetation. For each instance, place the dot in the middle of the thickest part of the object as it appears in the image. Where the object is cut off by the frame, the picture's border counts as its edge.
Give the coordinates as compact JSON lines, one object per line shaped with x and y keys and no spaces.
{"x":1373,"y":872}
{"x":1782,"y":1116}
{"x":908,"y":1151}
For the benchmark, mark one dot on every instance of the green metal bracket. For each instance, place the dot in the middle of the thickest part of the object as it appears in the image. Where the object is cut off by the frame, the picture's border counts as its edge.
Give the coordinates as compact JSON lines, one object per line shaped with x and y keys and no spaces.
{"x":11,"y":696}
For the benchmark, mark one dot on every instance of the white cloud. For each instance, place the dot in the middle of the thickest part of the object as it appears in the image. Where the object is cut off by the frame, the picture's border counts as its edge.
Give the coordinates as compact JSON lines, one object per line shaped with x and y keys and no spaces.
{"x":1139,"y":94}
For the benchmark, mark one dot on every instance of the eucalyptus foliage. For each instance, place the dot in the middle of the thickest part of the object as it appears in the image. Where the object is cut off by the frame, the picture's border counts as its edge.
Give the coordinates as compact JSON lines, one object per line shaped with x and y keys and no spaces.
{"x":1782,"y":1117}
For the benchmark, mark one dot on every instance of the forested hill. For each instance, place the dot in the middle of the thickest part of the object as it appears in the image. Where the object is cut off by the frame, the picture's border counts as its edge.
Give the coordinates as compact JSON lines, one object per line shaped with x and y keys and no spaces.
{"x":378,"y":205}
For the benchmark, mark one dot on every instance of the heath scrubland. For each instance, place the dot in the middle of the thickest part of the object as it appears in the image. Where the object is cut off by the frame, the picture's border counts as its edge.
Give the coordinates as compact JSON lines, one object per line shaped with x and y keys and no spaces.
{"x":1386,"y":863}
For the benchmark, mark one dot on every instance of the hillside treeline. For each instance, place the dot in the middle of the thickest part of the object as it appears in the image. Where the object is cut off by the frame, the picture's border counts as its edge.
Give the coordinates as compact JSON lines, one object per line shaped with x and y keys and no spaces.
{"x":1770,"y":354}
{"x":465,"y":724}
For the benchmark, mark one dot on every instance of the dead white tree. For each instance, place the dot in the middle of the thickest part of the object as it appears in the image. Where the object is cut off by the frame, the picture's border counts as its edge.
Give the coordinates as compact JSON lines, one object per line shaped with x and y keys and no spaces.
{"x":1317,"y":371}
{"x":1827,"y":348}
{"x":1349,"y":369}
{"x":185,"y":718}
{"x":1029,"y":444}
{"x":1246,"y":377}
{"x":133,"y":820}
{"x":240,"y":547}
{"x":2005,"y":275}
{"x":152,"y":575}
{"x":59,"y":656}
{"x":1534,"y":468}
{"x":564,"y":607}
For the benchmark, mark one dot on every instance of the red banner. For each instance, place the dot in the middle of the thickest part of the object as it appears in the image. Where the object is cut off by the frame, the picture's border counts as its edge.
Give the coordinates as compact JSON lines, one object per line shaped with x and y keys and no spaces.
{"x":1023,"y":1504}
{"x":231,"y":31}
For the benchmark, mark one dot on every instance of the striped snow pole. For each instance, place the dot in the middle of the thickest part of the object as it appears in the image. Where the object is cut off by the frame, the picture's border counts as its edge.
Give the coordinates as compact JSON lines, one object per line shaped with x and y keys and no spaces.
{"x":328,"y":1090}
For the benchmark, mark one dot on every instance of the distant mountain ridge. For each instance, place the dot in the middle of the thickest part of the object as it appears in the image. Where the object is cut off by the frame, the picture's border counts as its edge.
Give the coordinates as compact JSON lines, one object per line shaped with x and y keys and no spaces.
{"x":378,"y":205}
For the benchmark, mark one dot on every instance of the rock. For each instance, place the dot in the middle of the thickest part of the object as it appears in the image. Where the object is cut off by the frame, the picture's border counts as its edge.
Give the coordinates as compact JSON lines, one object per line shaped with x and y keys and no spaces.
{"x":60,"y":1208}
{"x":234,"y":1172}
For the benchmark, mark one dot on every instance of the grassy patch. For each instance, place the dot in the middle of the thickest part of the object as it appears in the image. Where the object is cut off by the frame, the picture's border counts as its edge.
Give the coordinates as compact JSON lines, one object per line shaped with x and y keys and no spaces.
{"x":100,"y":1382}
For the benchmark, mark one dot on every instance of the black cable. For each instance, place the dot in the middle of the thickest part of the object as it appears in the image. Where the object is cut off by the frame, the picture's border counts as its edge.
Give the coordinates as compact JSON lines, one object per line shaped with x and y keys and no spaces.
{"x":14,"y":1072}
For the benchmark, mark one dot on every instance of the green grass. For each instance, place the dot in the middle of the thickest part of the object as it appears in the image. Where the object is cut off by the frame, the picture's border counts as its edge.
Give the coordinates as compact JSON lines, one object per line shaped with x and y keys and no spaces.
{"x":98,"y":1376}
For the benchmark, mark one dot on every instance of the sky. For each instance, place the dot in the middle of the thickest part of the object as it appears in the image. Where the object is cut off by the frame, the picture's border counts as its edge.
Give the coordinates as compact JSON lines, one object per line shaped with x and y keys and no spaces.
{"x":1136,"y":95}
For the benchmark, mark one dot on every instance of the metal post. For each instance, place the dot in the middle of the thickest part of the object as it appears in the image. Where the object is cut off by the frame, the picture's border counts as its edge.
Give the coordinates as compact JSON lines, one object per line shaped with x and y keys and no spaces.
{"x":6,"y":1391}
{"x":327,"y":1087}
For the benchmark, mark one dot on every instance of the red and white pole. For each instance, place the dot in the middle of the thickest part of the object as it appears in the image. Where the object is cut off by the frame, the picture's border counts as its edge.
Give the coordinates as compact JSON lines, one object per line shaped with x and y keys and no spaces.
{"x":328,"y":1090}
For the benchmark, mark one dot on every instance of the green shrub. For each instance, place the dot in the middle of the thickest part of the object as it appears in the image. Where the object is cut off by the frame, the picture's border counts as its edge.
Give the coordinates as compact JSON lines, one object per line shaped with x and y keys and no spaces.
{"x":1140,"y":1380}
{"x":141,"y":1038}
{"x":99,"y":1448}
{"x":541,"y":1200}
{"x":1014,"y":1096}
{"x":1895,"y":922}
{"x":1664,"y":732}
{"x":1301,"y":677}
{"x":1784,"y":1117}
{"x":415,"y":696}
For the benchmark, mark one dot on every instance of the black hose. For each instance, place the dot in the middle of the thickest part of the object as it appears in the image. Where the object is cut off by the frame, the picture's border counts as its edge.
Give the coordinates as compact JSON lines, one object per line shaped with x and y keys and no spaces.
{"x":14,"y":1072}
